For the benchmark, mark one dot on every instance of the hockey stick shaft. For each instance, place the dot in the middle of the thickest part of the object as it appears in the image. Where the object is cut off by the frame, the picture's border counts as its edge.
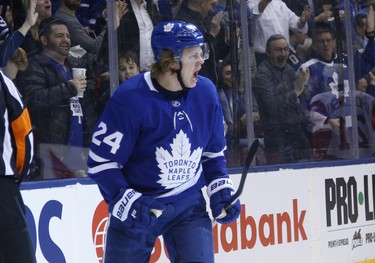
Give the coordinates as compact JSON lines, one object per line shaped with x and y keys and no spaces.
{"x":249,"y":158}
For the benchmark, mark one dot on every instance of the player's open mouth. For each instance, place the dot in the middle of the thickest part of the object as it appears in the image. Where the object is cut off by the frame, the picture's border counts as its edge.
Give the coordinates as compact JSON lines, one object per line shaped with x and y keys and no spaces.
{"x":195,"y":75}
{"x":195,"y":78}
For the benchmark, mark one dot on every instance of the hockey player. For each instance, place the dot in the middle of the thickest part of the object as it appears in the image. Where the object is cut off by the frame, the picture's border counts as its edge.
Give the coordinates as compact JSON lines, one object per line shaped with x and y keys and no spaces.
{"x":159,"y":141}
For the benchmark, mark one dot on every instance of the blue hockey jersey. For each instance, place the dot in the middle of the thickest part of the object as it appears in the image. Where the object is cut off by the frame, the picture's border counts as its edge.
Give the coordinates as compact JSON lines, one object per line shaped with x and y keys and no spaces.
{"x":164,"y":148}
{"x":324,"y":76}
{"x":326,"y":105}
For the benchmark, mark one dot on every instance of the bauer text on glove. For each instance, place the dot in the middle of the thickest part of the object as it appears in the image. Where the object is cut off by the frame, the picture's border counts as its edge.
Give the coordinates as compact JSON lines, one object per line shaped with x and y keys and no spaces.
{"x":220,"y":192}
{"x":136,"y":210}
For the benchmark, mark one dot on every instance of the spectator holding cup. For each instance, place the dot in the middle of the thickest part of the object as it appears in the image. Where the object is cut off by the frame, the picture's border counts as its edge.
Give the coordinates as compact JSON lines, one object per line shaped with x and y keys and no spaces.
{"x":79,"y":74}
{"x":63,"y":121}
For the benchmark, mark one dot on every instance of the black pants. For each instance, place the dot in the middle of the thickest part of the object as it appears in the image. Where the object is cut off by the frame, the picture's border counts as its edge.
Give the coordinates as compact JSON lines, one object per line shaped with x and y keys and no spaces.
{"x":15,"y":240}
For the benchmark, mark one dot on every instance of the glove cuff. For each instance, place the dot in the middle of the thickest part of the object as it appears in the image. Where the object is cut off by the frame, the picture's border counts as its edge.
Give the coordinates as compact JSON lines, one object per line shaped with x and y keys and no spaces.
{"x":122,"y":207}
{"x":218,"y":184}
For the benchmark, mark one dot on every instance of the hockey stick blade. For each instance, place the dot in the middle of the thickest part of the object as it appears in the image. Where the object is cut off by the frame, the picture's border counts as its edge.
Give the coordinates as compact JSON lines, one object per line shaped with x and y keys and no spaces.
{"x":249,"y":158}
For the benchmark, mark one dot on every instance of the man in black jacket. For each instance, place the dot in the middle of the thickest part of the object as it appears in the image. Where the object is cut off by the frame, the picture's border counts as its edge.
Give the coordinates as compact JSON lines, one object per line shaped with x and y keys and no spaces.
{"x":62,"y":121}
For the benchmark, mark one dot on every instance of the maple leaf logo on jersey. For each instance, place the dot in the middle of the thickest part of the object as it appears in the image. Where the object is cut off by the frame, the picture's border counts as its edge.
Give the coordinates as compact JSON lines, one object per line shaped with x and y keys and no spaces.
{"x":334,"y":85}
{"x":180,"y":165}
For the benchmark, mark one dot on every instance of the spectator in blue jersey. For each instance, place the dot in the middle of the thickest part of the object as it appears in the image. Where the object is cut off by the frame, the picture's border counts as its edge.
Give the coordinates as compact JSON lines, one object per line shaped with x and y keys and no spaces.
{"x":277,"y":88}
{"x":324,"y":77}
{"x":323,"y":63}
{"x":17,"y":151}
{"x":331,"y":110}
{"x":330,"y":107}
{"x":62,"y":121}
{"x":159,"y":141}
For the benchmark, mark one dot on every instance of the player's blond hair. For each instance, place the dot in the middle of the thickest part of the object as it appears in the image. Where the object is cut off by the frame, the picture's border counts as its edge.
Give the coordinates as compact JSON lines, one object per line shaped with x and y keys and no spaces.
{"x":163,"y":66}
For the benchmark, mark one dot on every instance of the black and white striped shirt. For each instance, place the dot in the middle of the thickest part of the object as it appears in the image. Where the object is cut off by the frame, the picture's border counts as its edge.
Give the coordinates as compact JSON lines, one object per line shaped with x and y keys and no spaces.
{"x":16,"y":138}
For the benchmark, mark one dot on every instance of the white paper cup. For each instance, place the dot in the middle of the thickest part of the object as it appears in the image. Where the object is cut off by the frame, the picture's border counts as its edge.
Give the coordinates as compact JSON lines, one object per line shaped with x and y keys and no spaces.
{"x":79,"y":72}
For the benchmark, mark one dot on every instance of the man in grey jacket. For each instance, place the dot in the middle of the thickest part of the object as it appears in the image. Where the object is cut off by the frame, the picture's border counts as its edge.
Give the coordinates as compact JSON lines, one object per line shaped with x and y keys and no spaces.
{"x":276,"y":88}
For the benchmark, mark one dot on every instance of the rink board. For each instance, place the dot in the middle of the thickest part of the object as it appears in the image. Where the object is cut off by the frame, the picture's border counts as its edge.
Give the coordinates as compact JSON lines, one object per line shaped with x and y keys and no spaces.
{"x":303,"y":215}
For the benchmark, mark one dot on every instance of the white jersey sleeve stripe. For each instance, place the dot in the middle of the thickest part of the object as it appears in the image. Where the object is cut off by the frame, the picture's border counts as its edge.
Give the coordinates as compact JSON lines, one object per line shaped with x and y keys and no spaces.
{"x":103,"y":167}
{"x":212,"y":155}
{"x":97,"y":158}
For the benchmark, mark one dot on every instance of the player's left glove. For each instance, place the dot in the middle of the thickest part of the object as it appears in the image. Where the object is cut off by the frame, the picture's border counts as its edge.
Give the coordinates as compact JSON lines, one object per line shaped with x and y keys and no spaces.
{"x":220,"y":191}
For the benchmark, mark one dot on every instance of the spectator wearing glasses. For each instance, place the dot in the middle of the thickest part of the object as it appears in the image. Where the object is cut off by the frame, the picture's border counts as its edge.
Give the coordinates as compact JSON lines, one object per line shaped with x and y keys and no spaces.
{"x":277,"y":88}
{"x":327,"y":95}
{"x":276,"y":18}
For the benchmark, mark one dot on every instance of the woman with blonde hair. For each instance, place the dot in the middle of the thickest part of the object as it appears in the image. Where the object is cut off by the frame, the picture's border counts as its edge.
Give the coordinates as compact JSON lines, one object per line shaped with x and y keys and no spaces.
{"x":18,"y":62}
{"x":31,"y":43}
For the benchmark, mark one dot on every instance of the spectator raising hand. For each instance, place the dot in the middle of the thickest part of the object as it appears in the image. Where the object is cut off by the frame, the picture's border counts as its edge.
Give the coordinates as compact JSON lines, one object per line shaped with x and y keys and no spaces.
{"x":31,"y":17}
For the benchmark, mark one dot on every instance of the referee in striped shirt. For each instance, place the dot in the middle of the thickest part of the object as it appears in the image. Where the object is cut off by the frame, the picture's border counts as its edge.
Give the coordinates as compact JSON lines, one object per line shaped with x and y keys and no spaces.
{"x":16,"y":149}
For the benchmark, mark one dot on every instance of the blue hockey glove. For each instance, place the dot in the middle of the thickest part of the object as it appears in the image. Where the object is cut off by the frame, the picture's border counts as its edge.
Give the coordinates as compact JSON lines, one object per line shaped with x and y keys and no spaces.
{"x":220,"y":191}
{"x":138,"y":212}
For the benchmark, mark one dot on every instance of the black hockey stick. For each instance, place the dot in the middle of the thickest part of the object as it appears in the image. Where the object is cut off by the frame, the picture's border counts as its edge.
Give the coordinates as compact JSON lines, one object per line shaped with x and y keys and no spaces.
{"x":249,"y":158}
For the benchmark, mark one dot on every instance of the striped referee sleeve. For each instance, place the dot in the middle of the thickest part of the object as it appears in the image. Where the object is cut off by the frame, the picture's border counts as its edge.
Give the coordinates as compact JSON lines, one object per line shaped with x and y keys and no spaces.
{"x":17,"y":144}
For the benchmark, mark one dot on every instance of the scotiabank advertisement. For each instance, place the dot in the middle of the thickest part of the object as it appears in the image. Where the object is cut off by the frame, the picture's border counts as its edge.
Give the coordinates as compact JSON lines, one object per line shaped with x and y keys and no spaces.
{"x":305,"y":215}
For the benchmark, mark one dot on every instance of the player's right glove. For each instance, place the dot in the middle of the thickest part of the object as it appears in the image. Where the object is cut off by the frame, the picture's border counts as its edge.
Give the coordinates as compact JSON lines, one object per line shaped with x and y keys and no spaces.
{"x":136,"y":211}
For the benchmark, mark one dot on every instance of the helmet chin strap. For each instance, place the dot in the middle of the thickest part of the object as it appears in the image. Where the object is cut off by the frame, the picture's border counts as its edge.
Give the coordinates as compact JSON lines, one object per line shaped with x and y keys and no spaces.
{"x":179,"y":77}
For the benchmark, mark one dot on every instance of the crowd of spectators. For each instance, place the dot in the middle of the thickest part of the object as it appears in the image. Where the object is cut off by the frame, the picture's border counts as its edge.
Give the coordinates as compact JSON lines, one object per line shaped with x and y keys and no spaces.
{"x":300,"y":89}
